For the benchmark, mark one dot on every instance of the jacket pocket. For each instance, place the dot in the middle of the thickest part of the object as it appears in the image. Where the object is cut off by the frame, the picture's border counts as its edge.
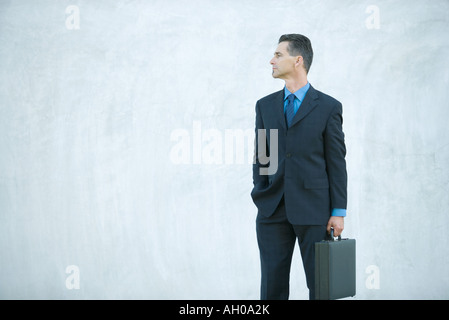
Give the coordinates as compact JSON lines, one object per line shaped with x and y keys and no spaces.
{"x":322,"y":183}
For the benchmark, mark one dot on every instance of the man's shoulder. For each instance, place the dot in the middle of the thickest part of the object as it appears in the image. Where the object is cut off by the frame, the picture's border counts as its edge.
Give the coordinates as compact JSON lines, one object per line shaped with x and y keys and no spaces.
{"x":325,"y":98}
{"x":270,"y":97}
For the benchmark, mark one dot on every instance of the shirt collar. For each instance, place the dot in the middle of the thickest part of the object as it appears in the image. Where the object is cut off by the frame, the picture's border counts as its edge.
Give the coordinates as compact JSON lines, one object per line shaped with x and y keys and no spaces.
{"x":299,"y":94}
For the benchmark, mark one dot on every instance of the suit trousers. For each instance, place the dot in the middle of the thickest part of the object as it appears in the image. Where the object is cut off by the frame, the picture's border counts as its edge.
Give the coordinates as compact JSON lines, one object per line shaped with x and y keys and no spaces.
{"x":276,"y":238}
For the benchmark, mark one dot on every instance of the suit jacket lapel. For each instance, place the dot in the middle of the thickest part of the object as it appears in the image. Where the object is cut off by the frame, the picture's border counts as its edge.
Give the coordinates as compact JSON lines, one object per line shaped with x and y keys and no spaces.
{"x":309,"y":103}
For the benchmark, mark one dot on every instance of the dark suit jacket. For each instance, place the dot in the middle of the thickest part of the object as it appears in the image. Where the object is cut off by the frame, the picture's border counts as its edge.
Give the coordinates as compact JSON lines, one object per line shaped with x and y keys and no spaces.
{"x":311,"y":172}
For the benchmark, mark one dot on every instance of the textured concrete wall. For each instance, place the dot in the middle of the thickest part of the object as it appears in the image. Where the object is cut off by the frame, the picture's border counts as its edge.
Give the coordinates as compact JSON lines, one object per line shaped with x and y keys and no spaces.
{"x":125,"y":166}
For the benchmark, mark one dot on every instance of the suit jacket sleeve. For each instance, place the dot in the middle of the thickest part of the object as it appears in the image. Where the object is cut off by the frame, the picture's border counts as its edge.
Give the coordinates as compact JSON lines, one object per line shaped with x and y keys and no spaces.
{"x":335,"y":152}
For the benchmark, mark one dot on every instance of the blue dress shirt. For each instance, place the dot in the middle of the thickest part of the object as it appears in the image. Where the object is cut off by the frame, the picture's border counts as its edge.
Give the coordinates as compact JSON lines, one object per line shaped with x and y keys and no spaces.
{"x":300,"y":94}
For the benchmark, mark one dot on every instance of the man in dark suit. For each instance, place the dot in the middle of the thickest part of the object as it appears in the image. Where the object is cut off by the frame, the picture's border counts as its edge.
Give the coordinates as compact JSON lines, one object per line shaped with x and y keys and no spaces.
{"x":303,"y":194}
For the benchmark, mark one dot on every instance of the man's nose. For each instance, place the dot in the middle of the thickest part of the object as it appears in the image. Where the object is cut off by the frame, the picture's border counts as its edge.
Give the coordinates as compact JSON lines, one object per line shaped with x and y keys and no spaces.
{"x":272,"y":61}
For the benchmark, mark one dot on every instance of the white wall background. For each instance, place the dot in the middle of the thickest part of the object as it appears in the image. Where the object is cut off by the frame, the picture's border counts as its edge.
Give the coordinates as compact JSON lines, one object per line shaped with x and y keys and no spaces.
{"x":90,"y":117}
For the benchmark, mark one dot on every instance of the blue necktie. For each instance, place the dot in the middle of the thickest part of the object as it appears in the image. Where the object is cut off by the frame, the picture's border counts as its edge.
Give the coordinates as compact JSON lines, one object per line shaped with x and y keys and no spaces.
{"x":290,"y":110}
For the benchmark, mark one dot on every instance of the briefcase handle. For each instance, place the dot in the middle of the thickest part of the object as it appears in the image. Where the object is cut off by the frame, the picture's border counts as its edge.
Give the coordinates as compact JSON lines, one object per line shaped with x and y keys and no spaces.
{"x":332,"y":235}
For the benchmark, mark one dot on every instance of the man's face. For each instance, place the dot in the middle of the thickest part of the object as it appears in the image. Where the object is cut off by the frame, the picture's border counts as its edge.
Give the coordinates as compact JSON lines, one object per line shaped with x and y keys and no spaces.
{"x":283,"y":63}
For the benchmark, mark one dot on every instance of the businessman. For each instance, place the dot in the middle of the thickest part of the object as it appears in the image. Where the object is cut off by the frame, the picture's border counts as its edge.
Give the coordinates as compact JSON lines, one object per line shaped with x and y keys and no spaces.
{"x":305,"y":195}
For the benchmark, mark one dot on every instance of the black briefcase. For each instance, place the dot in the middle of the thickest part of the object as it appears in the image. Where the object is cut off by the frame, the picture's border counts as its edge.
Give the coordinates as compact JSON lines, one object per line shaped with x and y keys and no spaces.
{"x":334,"y":268}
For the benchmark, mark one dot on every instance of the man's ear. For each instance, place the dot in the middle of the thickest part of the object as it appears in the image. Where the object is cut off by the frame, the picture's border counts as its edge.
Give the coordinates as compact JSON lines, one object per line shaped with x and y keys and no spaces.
{"x":299,"y":61}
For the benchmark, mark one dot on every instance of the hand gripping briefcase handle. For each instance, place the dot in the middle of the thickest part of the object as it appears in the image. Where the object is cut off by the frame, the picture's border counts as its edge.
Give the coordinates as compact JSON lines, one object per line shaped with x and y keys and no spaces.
{"x":332,"y":236}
